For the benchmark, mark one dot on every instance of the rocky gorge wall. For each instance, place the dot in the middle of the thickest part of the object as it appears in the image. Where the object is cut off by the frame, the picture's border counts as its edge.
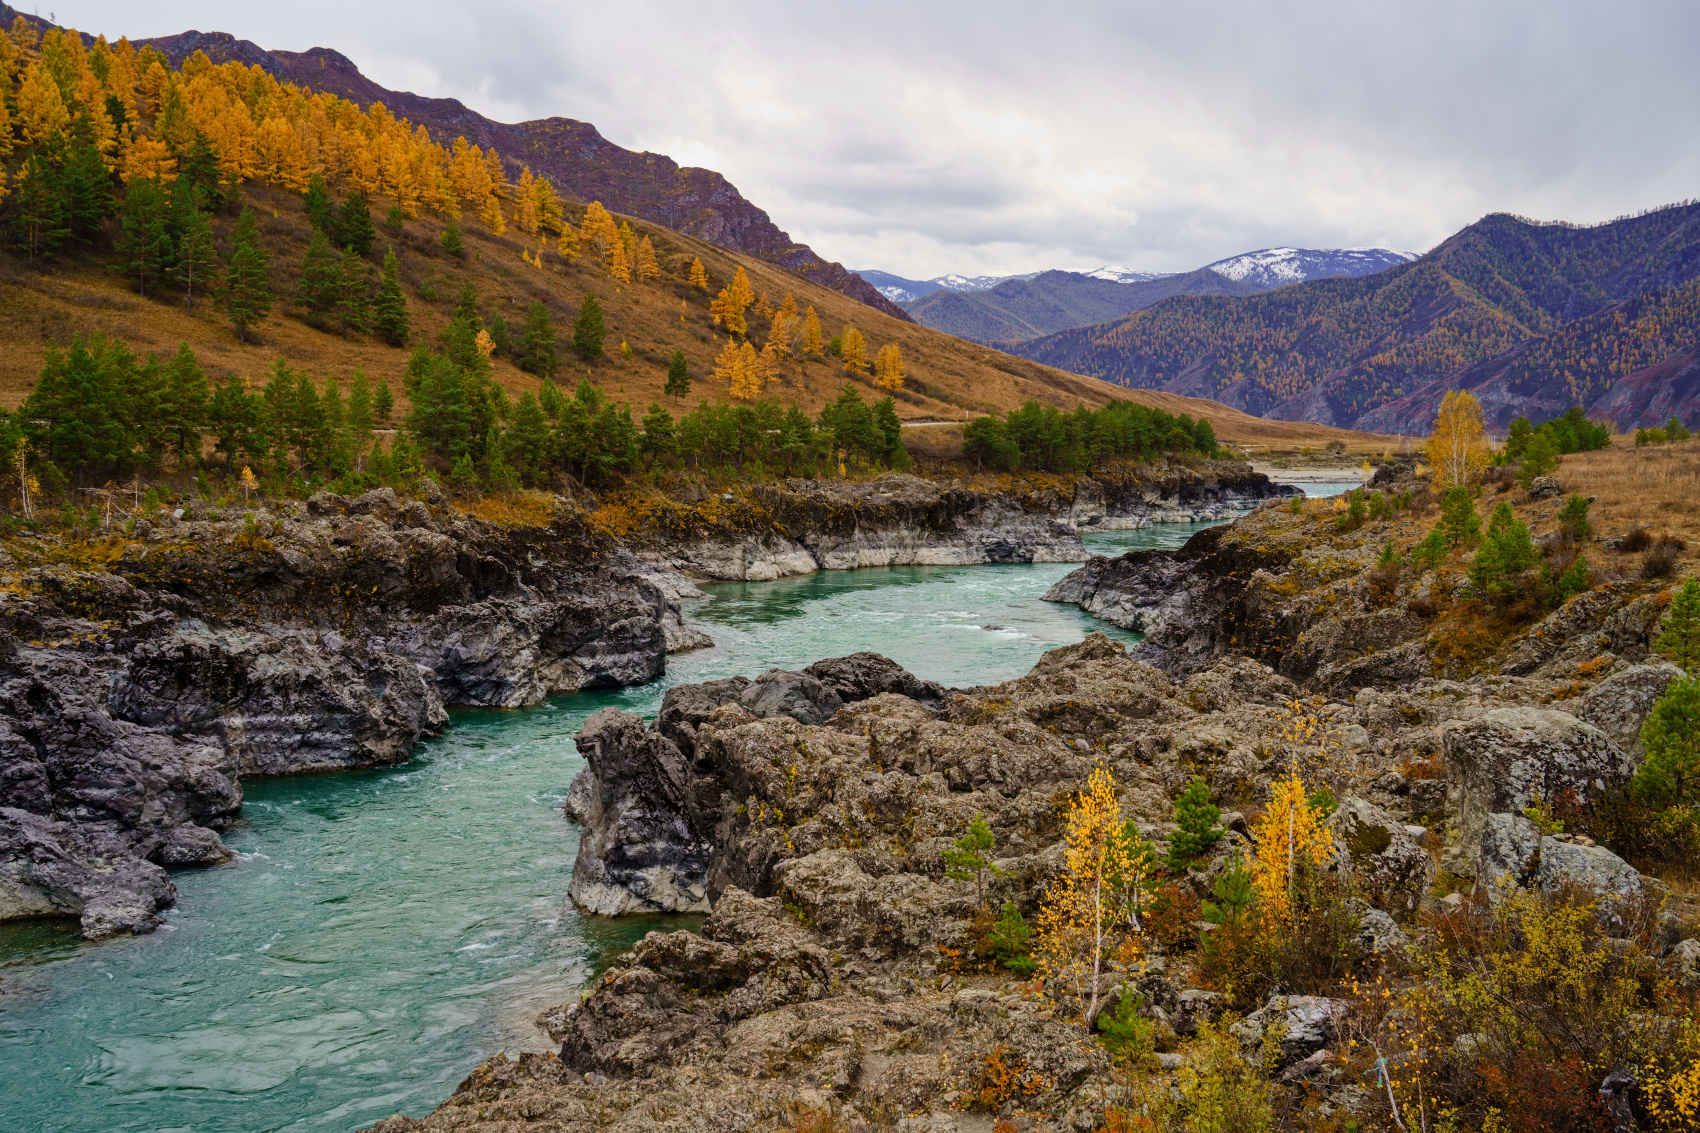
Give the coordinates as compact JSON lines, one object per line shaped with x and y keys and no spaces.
{"x":136,"y":694}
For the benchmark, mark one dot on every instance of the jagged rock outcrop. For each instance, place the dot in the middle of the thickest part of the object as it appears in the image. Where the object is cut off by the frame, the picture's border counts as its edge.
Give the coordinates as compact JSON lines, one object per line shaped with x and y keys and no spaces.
{"x":323,"y":636}
{"x":1382,"y":856}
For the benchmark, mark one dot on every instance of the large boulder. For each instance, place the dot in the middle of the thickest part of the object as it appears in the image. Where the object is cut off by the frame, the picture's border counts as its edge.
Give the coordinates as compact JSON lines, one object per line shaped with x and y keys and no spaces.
{"x":1515,"y":853}
{"x":1393,"y":871}
{"x":1307,"y":1024}
{"x":1619,"y":705}
{"x":638,"y":853}
{"x":51,"y":869}
{"x":1500,"y":761}
{"x":862,"y":676}
{"x":797,"y":695}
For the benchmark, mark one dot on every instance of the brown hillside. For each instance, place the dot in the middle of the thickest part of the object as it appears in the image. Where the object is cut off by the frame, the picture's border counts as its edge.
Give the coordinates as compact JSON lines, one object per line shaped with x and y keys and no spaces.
{"x":950,"y":379}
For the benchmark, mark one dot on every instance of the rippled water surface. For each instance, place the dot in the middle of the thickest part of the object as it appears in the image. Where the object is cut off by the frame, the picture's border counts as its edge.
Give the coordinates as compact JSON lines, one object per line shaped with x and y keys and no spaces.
{"x":384,"y":931}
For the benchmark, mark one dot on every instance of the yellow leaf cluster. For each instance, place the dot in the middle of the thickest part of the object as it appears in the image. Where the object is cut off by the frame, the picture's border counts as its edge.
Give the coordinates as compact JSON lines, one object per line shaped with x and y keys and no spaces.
{"x":1093,"y":898}
{"x":1288,"y":831}
{"x":888,"y":367}
{"x":1457,"y":448}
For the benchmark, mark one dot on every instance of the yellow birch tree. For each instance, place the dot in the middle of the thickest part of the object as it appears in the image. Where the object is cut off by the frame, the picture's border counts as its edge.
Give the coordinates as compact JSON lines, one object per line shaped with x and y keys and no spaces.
{"x":1095,"y":898}
{"x":1290,"y":829}
{"x":1457,"y":447}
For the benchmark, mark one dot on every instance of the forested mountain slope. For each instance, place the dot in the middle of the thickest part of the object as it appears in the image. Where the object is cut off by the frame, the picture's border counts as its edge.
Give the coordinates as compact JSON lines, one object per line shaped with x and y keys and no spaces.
{"x":572,"y":154}
{"x":1534,"y":315}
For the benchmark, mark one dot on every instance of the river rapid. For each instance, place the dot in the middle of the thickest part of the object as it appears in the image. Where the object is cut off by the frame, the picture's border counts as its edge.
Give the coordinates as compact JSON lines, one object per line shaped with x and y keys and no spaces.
{"x":384,"y":931}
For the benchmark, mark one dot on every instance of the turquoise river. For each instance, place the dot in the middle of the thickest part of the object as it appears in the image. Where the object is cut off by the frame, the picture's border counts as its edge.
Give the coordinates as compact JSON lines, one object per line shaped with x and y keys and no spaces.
{"x":384,"y":931}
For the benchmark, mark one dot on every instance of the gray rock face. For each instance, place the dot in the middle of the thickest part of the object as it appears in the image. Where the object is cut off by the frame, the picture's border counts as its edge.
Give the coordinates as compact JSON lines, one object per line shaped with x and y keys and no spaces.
{"x":1393,"y":870}
{"x":1513,"y":852}
{"x":1685,"y":957}
{"x":638,"y":853}
{"x":327,"y":636}
{"x":1619,"y":705}
{"x":797,"y":695}
{"x":1308,"y":1023}
{"x":1503,"y":760}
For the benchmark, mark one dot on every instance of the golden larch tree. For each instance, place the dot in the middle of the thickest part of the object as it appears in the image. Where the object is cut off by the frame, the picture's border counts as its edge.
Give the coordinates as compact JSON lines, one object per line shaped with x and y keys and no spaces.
{"x":729,"y":312}
{"x":727,"y":363}
{"x":888,"y":367}
{"x":699,"y":275}
{"x":525,"y":204}
{"x":41,"y":108}
{"x":648,"y":267}
{"x":749,"y":380}
{"x":1088,"y":923}
{"x":742,"y":293}
{"x":853,"y":349}
{"x":567,"y":245}
{"x":767,"y":363}
{"x":547,"y":205}
{"x":618,"y":266}
{"x":491,"y":215}
{"x":813,"y":343}
{"x":1457,"y":448}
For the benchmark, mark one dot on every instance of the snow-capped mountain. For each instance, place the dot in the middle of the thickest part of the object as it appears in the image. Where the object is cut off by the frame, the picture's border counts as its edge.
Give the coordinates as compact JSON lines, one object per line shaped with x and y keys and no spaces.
{"x":1125,"y":275}
{"x":901,"y":290}
{"x":1277,"y":267}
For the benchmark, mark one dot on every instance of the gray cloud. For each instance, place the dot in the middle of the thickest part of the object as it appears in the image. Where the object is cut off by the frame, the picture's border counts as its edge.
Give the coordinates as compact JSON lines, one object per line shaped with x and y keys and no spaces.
{"x":999,"y":138}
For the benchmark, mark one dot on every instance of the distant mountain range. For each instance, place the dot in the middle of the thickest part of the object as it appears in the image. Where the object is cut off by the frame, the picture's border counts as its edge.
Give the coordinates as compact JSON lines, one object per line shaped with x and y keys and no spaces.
{"x":1532,"y":317}
{"x":996,"y":310}
{"x":580,"y":162}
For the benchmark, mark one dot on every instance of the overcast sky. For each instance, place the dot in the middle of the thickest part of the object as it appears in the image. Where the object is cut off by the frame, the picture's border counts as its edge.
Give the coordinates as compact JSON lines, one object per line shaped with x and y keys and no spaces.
{"x":1000,"y":138}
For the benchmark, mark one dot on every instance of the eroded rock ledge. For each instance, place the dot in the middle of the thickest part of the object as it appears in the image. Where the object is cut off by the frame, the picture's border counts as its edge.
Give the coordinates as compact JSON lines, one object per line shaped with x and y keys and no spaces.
{"x":328,"y":635}
{"x":803,"y":526}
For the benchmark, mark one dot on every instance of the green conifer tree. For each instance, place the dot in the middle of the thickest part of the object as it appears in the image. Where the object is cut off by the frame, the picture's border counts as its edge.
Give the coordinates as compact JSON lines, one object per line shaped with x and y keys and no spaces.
{"x":1196,"y":817}
{"x":678,"y":385}
{"x":1573,"y":517}
{"x":318,"y":283}
{"x":389,"y":306}
{"x":198,"y":174}
{"x":383,"y":402}
{"x":197,"y":257}
{"x":1539,"y":457}
{"x":39,"y":216}
{"x":1011,"y":938}
{"x":395,"y":220}
{"x":1458,"y":517}
{"x":87,"y":189}
{"x":466,"y":308}
{"x":145,"y":244}
{"x":247,"y":292}
{"x":451,"y":241}
{"x":589,"y":330}
{"x":1670,"y":771}
{"x":183,"y":409}
{"x":354,"y":227}
{"x":357,"y":415}
{"x":527,"y":439}
{"x":353,"y":293}
{"x":660,"y":438}
{"x":970,"y":858}
{"x":321,"y":212}
{"x":1680,"y":638}
{"x":537,"y":342}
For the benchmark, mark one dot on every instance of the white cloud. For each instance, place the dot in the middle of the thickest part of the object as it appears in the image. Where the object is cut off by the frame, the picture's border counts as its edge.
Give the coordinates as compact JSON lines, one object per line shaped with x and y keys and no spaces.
{"x":997,"y":138}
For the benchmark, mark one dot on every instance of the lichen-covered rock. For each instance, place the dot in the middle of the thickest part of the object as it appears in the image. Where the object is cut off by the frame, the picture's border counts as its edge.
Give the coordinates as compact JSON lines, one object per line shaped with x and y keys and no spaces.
{"x":1390,"y":867}
{"x":1307,"y":1024}
{"x":1619,"y":705}
{"x":1515,"y":853}
{"x":1503,"y":760}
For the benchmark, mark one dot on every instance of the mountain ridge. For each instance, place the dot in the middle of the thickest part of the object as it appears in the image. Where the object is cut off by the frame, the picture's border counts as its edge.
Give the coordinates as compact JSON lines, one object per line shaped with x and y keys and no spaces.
{"x":572,"y":154}
{"x":1533,"y":314}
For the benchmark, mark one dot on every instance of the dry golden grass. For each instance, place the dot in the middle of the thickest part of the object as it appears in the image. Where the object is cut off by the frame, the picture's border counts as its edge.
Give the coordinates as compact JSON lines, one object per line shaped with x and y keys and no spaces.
{"x":510,"y":509}
{"x":951,"y":379}
{"x":1656,"y":487}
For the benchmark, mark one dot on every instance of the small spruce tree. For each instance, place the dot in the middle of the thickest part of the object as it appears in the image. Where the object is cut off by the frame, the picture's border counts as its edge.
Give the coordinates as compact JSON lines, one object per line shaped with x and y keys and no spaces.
{"x":678,"y":377}
{"x":354,"y":227}
{"x":970,"y":859}
{"x":247,"y":291}
{"x":383,"y":402}
{"x":321,"y":213}
{"x":1458,"y":517}
{"x":389,"y":306}
{"x":1196,"y":816}
{"x":1539,"y":457}
{"x":197,"y":257}
{"x":1574,"y":517}
{"x":589,"y":330}
{"x":1671,"y":736}
{"x":537,"y":342}
{"x":451,"y":241}
{"x":1680,"y":639}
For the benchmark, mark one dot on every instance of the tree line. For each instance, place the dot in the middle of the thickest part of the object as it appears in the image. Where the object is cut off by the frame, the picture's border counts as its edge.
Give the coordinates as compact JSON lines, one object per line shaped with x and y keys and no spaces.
{"x":1044,"y":438}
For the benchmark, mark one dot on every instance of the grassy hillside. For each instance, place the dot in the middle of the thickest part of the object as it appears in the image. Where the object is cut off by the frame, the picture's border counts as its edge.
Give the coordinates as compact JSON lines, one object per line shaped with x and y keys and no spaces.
{"x":79,"y":292}
{"x":1604,"y":300}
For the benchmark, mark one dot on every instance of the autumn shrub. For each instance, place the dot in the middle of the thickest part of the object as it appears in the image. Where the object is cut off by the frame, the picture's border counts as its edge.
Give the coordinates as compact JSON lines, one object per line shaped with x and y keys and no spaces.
{"x":1222,"y":1091}
{"x":1000,"y":1075}
{"x":1660,"y":562}
{"x":1173,"y":919}
{"x":801,"y":1118}
{"x":1522,"y":1008}
{"x":1636,"y":540}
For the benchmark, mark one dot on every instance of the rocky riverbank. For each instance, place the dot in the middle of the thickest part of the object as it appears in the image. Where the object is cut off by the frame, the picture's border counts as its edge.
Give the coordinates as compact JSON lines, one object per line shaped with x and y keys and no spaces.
{"x":842,"y":979}
{"x":143,"y":677}
{"x":803,"y":526}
